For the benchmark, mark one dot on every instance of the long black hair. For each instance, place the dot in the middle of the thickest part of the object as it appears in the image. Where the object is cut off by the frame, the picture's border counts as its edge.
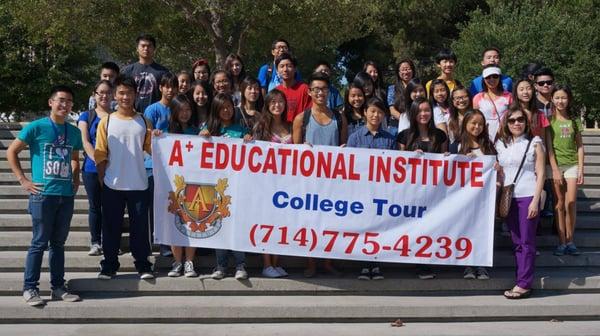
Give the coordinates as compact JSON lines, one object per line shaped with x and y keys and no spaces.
{"x":263,"y":127}
{"x":413,"y":130}
{"x":199,"y":116}
{"x":399,"y":86}
{"x":348,"y":109}
{"x":214,"y":121}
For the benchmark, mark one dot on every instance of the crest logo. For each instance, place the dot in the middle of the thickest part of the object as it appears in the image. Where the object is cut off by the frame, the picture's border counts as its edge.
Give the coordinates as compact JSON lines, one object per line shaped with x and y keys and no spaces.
{"x":199,"y":209}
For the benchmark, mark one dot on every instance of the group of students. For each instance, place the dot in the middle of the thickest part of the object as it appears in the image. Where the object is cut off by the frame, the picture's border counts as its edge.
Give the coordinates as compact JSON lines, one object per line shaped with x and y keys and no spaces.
{"x":529,"y":125}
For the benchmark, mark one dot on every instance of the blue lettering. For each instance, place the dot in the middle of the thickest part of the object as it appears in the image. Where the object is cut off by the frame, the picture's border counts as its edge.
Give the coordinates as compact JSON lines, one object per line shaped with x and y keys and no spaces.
{"x":277,"y":196}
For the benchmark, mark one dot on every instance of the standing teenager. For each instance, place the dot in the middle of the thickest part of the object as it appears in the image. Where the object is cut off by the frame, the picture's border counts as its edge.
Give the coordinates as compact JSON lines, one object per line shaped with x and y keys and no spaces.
{"x":446,"y":61}
{"x":439,"y":97}
{"x":273,"y":126}
{"x":296,"y":92}
{"x":566,"y":156}
{"x":201,"y":70}
{"x":54,"y":145}
{"x":493,"y":101}
{"x":88,"y":125}
{"x":234,"y":66}
{"x":108,"y":71}
{"x":489,"y":56}
{"x":146,"y":73}
{"x":318,"y":125}
{"x":460,"y":104}
{"x":354,"y":107}
{"x":122,"y":139}
{"x":184,"y":80}
{"x":521,"y":157}
{"x":544,"y":85}
{"x":268,"y":76}
{"x":405,"y":71}
{"x":334,"y":99}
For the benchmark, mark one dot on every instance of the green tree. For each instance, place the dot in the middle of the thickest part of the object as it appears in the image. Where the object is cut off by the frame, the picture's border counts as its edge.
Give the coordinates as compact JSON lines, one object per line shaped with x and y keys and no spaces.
{"x":563,"y":35}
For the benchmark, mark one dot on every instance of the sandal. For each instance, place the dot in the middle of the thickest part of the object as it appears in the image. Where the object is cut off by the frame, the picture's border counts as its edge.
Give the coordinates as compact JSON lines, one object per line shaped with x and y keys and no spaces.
{"x":513,"y":295}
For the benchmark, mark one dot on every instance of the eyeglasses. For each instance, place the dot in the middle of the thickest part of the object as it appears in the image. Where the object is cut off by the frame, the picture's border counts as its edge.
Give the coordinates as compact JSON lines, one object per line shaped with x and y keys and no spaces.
{"x":222,"y":82}
{"x":64,"y":101}
{"x":547,"y":82}
{"x":103,"y":93}
{"x":281,"y":48}
{"x":319,"y":89}
{"x":492,"y":77}
{"x":520,"y":120}
{"x":461,"y":98}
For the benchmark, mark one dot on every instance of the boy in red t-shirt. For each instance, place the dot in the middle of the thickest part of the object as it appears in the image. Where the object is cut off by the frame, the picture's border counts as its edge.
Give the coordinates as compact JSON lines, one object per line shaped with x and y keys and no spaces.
{"x":296,"y":92}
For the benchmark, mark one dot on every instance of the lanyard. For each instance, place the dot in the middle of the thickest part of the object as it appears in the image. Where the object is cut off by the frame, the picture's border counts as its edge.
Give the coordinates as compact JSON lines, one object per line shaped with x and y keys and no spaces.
{"x":55,"y":128}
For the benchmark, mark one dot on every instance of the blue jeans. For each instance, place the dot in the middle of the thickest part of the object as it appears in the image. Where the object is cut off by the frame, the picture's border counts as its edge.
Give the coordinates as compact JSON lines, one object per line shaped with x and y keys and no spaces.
{"x":51,"y":219}
{"x":113,"y":208}
{"x":92,"y":188}
{"x":223,"y":258}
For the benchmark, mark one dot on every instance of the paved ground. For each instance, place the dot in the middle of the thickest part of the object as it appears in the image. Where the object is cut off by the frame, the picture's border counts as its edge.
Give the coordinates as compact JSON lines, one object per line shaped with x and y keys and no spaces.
{"x":579,"y":328}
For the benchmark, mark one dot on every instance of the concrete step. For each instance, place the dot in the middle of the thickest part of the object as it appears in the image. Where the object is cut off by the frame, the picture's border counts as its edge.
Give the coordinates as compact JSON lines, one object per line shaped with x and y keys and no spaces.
{"x":590,"y":193}
{"x":395,"y":283}
{"x":25,"y":164}
{"x":591,"y":139}
{"x":79,"y":261}
{"x":535,"y":328}
{"x":80,"y":240}
{"x":24,"y":155}
{"x":591,"y":149}
{"x":21,"y":205}
{"x":16,"y":191}
{"x":20,"y":222}
{"x":592,"y":181}
{"x":257,"y":309}
{"x":590,"y":206}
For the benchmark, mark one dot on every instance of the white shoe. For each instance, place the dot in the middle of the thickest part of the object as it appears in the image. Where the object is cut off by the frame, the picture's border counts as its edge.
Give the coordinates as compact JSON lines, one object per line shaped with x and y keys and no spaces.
{"x":281,"y":271}
{"x":189,"y":270}
{"x":95,"y":250}
{"x":270,"y":272}
{"x":218,"y":274}
{"x":240,"y":273}
{"x":146,"y":276}
{"x":176,"y":270}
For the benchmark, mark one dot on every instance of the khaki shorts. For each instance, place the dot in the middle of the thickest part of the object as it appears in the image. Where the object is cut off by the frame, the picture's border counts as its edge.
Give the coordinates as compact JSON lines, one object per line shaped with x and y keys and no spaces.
{"x":568,"y":172}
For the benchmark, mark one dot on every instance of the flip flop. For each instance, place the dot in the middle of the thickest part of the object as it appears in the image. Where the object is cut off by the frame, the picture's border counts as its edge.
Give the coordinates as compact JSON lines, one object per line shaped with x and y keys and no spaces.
{"x":512,"y":295}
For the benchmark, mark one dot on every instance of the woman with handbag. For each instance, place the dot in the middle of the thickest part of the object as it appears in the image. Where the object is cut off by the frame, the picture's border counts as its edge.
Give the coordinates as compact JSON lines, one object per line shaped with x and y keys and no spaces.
{"x":522,"y":160}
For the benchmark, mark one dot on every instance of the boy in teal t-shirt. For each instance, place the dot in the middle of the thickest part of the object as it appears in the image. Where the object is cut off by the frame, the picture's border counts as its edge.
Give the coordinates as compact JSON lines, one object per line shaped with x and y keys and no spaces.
{"x":54,"y":145}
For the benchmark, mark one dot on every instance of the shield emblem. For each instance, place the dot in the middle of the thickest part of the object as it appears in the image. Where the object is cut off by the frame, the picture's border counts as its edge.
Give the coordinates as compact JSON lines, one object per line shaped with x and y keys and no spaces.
{"x":199,"y":200}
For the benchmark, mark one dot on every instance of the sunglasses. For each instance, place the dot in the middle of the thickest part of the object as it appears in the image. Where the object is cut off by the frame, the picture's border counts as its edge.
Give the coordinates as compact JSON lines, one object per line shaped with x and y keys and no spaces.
{"x":492,"y":77}
{"x":542,"y":83}
{"x":520,"y":120}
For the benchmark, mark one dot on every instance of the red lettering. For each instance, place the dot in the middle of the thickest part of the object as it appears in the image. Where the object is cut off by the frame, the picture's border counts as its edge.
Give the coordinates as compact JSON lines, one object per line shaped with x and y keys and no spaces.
{"x":254,"y":150}
{"x":176,"y":156}
{"x":435,"y":164}
{"x":371,"y":168}
{"x":414,"y":162}
{"x":238,"y":165}
{"x":463,"y":172}
{"x":270,"y":162}
{"x":340,"y":167}
{"x":304,"y":157}
{"x":206,"y":155}
{"x":383,"y":168}
{"x":400,"y":174}
{"x":284,"y":153}
{"x":324,"y":164}
{"x":354,"y":176}
{"x":424,"y":173}
{"x":449,"y":180}
{"x":222,"y":156}
{"x":476,"y":173}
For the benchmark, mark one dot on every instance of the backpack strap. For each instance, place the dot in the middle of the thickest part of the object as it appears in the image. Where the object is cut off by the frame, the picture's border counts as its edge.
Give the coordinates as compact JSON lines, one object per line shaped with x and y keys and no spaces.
{"x":269,"y":73}
{"x":305,"y":121}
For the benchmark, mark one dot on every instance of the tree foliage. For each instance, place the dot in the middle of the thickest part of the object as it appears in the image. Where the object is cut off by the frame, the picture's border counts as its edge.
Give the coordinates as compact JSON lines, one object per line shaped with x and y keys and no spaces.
{"x":563,"y":35}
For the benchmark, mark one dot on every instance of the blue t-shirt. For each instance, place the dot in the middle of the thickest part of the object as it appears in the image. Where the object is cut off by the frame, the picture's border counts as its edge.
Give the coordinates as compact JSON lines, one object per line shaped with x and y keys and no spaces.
{"x":263,"y":74}
{"x":334,"y":99}
{"x":363,"y":138}
{"x":51,"y":146}
{"x":89,"y":166}
{"x":232,"y":131}
{"x":477,"y":84}
{"x":158,"y":115}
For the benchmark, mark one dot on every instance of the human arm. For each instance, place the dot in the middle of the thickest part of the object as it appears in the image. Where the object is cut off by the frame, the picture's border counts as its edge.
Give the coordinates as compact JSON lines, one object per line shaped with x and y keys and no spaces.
{"x":297,"y":129}
{"x":556,"y":175}
{"x":101,"y":150}
{"x":580,"y":157}
{"x":88,"y":148}
{"x":12,"y":154}
{"x":75,"y":169}
{"x":540,"y":164}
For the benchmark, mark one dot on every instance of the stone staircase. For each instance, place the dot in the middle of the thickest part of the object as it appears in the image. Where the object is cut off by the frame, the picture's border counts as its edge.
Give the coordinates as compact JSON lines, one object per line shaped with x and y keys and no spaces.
{"x":566,"y":288}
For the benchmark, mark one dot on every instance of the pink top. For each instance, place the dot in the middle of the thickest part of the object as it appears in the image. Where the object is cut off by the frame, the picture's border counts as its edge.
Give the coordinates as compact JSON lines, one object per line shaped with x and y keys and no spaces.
{"x":285,"y":140}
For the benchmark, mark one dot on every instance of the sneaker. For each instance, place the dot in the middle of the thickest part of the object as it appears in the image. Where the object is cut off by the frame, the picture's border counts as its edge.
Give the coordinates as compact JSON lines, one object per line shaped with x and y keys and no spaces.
{"x":189,"y":270}
{"x":365,"y":274}
{"x":240,"y":273}
{"x":95,"y":250}
{"x":218,"y":274}
{"x":146,"y":275}
{"x":176,"y":270}
{"x":105,"y":275}
{"x":271,"y":272}
{"x":376,"y":274}
{"x":425,"y":273}
{"x":572,"y":249}
{"x":63,"y":294}
{"x":538,"y":253}
{"x":32,"y":298}
{"x":469,"y":273}
{"x":281,"y":271}
{"x":560,"y":250}
{"x":482,"y":273}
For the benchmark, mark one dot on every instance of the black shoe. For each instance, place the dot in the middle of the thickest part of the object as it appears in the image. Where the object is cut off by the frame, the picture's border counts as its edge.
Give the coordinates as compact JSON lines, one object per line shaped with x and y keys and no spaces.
{"x":376,"y":274}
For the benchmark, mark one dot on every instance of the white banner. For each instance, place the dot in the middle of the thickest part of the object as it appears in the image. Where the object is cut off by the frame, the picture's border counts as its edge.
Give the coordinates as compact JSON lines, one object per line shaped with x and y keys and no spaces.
{"x":326,"y":202}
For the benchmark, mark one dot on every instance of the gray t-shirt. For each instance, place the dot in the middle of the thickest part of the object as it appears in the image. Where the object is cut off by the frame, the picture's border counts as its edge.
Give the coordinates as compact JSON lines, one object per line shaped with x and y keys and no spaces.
{"x":147,"y":79}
